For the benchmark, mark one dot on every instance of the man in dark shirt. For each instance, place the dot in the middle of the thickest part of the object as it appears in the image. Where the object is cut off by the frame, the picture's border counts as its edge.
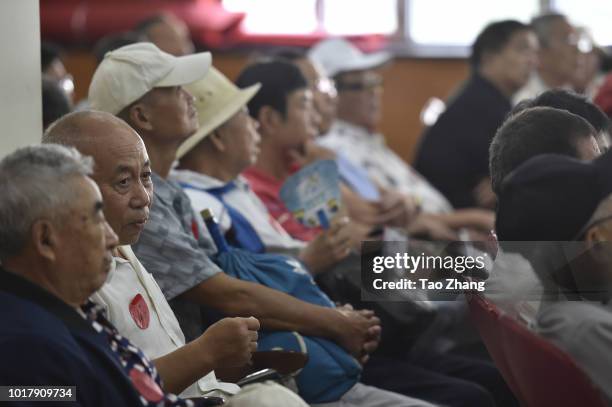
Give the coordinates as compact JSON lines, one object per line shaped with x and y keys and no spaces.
{"x":55,"y":248}
{"x":453,"y":154}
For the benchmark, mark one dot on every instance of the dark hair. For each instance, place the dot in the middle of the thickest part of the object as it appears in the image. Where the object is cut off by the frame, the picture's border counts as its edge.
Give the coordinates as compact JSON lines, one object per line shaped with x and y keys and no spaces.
{"x":531,"y":132}
{"x":290,"y":54}
{"x":143,"y":26}
{"x":542,"y":26}
{"x":55,"y":102}
{"x":494,"y":38}
{"x":570,"y":101}
{"x":114,"y":41}
{"x":49,"y":52}
{"x":278,"y":79}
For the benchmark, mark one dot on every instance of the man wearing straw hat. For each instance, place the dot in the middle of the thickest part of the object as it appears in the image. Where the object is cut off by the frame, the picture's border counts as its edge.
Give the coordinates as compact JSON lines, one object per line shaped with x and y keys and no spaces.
{"x":174,"y":246}
{"x":224,"y":145}
{"x":132,"y":300}
{"x":211,"y":161}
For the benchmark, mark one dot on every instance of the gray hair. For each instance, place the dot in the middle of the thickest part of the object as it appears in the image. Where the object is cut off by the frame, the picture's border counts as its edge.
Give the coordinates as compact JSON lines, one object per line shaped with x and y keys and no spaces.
{"x":35,"y":183}
{"x":542,"y":26}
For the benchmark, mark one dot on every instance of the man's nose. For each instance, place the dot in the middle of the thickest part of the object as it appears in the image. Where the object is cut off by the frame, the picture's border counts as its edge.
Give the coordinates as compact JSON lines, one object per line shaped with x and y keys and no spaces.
{"x":141,"y":197}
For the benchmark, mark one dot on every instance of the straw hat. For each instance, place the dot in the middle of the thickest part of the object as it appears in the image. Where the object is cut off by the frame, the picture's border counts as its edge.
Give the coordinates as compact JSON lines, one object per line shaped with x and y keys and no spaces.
{"x":217,"y":99}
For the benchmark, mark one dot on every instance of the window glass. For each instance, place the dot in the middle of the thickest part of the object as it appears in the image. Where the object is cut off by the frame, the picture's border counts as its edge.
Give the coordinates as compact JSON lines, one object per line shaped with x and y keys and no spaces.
{"x":594,"y":15}
{"x":353,"y":17}
{"x":276,"y":16}
{"x":457,"y":23}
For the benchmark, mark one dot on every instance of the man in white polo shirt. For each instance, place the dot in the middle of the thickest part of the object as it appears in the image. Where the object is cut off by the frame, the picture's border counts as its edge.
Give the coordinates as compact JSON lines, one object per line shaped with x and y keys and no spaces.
{"x":132,"y":298}
{"x":209,"y":172}
{"x":360,"y":89}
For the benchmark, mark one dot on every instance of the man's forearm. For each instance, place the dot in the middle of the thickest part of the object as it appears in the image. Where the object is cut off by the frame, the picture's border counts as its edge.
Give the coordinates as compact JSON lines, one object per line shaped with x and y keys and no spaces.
{"x":482,"y":219}
{"x":184,"y":366}
{"x":275,"y":309}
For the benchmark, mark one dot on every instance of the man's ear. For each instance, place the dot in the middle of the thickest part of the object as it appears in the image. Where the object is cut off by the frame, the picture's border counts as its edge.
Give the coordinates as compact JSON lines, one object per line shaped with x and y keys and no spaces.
{"x":44,"y":238}
{"x":140,"y":117}
{"x":269,"y":119}
{"x":595,"y":242}
{"x":217,"y":141}
{"x":593,"y":236}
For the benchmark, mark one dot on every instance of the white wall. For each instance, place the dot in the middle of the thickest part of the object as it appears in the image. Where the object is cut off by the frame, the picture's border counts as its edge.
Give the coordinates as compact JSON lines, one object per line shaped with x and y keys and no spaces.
{"x":20,"y":82}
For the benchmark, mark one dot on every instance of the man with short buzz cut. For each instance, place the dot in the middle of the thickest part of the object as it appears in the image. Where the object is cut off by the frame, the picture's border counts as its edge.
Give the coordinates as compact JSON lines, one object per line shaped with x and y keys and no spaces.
{"x":558,"y":56}
{"x":56,"y":250}
{"x":283,"y":110}
{"x":576,"y":104}
{"x":539,"y":130}
{"x":530,"y":132}
{"x":453,"y":153}
{"x":174,"y":245}
{"x":133,"y":301}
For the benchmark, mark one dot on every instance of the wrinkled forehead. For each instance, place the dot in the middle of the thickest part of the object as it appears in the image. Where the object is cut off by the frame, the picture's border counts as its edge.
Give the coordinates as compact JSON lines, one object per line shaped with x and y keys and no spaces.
{"x":522,"y":37}
{"x":299,"y":96}
{"x":117,"y":145}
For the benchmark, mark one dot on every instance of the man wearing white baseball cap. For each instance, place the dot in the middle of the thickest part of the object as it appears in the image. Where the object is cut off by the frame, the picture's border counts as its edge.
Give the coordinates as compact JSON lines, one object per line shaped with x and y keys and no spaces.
{"x":360,"y":89}
{"x":127,"y":83}
{"x":128,"y":73}
{"x":174,"y":245}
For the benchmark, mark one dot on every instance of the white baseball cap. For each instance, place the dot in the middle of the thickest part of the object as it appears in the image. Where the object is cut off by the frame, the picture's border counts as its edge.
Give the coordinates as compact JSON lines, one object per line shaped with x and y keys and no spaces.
{"x":338,"y":55}
{"x":128,"y":73}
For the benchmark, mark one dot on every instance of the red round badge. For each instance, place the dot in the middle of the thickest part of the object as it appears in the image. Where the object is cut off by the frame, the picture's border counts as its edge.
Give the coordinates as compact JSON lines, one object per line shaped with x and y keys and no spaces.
{"x":140,"y":312}
{"x":146,"y":386}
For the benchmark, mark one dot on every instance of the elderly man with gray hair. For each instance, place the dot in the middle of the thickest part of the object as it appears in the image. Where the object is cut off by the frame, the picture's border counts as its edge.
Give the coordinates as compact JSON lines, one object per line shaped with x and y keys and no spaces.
{"x":56,"y":250}
{"x":132,"y":299}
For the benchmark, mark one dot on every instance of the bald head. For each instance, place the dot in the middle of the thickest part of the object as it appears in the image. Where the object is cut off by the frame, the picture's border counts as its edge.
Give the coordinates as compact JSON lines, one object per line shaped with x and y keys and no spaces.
{"x":122,"y":169}
{"x":84,"y":128}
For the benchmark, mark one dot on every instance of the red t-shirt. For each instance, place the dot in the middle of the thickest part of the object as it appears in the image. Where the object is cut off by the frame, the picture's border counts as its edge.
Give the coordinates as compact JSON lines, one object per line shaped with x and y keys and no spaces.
{"x":268,"y":190}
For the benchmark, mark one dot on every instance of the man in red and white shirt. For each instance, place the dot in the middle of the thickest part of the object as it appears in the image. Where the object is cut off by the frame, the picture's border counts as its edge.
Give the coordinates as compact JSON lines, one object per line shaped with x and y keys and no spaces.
{"x":134,"y":302}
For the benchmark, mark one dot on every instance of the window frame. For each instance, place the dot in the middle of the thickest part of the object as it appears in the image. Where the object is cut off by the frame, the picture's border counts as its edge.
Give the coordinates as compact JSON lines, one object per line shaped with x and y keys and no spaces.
{"x":399,"y":42}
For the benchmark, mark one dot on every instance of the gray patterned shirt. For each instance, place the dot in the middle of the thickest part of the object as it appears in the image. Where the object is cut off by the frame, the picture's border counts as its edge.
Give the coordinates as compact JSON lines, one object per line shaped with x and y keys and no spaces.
{"x":174,"y":246}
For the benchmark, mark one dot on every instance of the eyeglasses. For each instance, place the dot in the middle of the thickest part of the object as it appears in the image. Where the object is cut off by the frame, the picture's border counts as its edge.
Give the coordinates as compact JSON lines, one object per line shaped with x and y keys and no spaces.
{"x":326,"y":86}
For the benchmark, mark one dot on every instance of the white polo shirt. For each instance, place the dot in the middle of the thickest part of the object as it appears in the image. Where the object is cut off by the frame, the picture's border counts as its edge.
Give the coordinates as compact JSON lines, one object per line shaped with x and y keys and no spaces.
{"x":241,"y":198}
{"x":137,"y":307}
{"x":535,"y":87}
{"x":370,"y":152}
